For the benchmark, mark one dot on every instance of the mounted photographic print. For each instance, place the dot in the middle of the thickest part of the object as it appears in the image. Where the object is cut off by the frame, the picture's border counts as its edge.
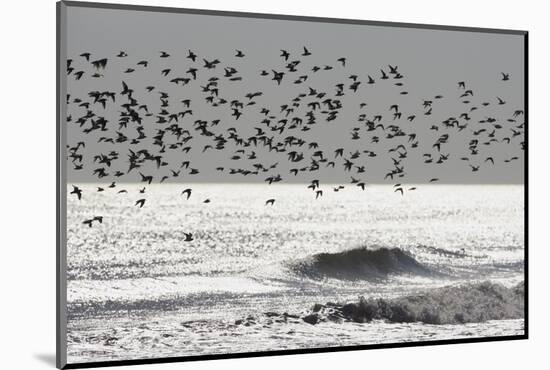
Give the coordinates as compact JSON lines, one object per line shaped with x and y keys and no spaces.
{"x":238,"y":184}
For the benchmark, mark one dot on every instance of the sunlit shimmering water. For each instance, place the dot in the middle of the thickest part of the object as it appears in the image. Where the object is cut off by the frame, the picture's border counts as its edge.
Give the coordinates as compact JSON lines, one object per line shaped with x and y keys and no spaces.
{"x":136,"y":289}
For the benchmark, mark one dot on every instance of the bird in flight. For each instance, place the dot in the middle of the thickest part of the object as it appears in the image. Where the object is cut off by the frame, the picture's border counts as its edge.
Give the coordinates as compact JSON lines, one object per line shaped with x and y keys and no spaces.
{"x":187,"y":192}
{"x":191,"y":56}
{"x":100,"y":63}
{"x":89,"y":222}
{"x":147,"y":179}
{"x":77,"y":191}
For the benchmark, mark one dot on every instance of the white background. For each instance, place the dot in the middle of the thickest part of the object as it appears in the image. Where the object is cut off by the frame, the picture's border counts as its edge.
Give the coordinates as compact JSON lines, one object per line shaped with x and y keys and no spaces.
{"x":27,"y":182}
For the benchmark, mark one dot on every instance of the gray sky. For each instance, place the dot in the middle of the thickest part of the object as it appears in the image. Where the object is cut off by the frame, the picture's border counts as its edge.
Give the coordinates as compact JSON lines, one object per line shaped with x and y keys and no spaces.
{"x":431,"y":61}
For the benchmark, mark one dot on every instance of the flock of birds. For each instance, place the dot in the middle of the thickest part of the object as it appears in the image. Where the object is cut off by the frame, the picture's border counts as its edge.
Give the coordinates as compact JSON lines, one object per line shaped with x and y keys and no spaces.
{"x":148,"y":132}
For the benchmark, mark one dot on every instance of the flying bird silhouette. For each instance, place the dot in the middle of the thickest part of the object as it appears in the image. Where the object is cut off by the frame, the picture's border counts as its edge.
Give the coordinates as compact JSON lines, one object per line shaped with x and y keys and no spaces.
{"x":76,"y":190}
{"x":187,"y":192}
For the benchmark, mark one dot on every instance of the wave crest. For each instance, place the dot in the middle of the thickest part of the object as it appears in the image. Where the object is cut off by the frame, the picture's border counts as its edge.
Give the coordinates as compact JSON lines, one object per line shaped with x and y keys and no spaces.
{"x":461,"y":304}
{"x":360,"y":264}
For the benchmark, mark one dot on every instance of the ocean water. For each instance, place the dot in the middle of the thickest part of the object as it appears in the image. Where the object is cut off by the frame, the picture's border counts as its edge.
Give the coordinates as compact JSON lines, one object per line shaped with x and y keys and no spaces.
{"x":136,"y":289}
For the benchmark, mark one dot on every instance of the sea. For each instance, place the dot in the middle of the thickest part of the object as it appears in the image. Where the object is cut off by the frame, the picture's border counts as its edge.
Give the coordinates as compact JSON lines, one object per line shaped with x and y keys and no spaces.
{"x":137,"y":290}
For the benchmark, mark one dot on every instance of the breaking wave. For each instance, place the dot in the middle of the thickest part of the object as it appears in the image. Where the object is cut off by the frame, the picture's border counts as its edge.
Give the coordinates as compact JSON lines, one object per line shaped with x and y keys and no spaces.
{"x":361,"y":264}
{"x":461,"y":304}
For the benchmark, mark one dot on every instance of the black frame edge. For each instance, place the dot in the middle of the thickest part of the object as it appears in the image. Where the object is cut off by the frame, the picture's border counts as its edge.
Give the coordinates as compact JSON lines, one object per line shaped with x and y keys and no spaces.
{"x":526,"y":183}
